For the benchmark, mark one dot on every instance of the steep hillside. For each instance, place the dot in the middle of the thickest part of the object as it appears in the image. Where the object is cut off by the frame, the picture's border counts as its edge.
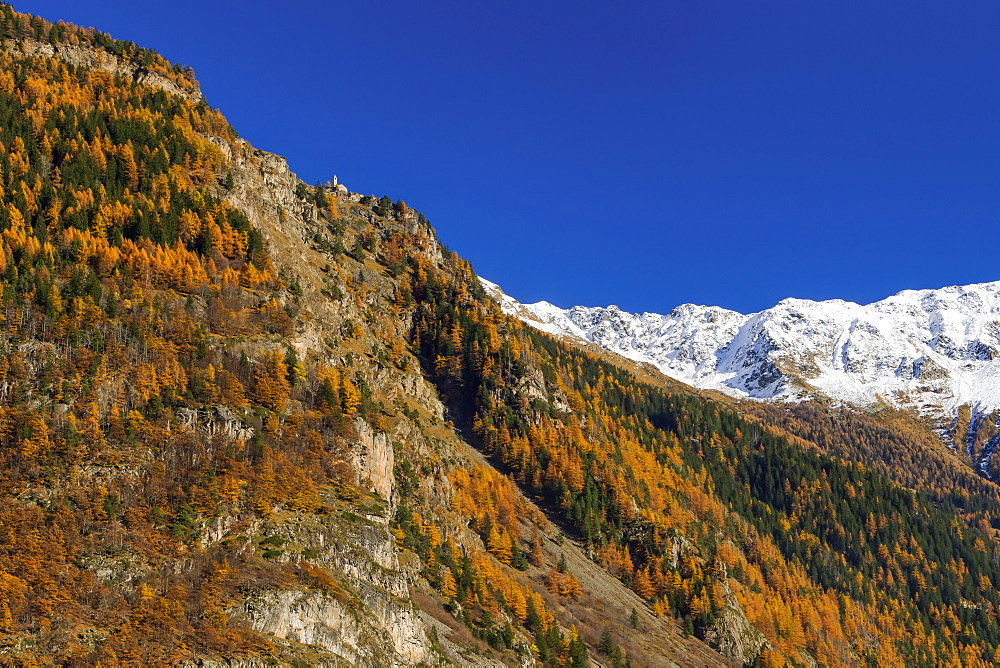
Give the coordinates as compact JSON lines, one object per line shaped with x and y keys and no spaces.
{"x":208,"y":399}
{"x":248,"y":421}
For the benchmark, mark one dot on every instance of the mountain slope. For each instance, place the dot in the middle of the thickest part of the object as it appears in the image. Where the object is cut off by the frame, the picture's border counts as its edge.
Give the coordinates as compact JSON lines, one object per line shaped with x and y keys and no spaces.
{"x":210,"y":404}
{"x":928,"y":350}
{"x":247,"y":421}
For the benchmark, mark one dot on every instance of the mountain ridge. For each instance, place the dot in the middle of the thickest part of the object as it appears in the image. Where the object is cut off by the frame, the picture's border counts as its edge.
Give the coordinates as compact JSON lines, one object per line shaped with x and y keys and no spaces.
{"x":931,"y":350}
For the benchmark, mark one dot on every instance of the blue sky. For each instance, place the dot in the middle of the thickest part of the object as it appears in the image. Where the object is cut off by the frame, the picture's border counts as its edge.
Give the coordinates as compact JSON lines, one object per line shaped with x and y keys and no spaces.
{"x":644,"y":154}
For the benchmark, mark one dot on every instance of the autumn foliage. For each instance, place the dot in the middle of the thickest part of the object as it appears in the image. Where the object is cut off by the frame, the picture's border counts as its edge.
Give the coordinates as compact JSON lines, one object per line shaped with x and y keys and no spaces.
{"x":150,"y":386}
{"x":697,"y":508}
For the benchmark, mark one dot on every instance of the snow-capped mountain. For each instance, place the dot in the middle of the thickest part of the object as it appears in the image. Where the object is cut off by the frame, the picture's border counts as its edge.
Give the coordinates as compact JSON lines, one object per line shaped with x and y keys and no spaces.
{"x":930,"y":350}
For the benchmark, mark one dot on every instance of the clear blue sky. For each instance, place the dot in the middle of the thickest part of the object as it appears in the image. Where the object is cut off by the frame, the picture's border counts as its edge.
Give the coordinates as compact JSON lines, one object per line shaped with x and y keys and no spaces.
{"x":643,"y":154}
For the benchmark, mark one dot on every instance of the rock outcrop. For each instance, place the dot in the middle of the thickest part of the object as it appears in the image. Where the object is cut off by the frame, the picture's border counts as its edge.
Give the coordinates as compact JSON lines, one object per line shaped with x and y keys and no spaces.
{"x":92,"y":58}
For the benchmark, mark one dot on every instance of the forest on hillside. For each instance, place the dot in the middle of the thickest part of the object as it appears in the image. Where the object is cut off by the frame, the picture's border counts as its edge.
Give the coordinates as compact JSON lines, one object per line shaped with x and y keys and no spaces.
{"x":139,"y":299}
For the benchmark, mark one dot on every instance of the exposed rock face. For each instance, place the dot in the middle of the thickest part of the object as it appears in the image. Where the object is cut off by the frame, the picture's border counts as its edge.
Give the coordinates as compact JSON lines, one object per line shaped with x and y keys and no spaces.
{"x":734,"y":635}
{"x":373,"y":460}
{"x":393,"y":638}
{"x":98,"y":59}
{"x":363,"y":616}
{"x":229,"y":663}
{"x":217,"y":421}
{"x":417,"y":389}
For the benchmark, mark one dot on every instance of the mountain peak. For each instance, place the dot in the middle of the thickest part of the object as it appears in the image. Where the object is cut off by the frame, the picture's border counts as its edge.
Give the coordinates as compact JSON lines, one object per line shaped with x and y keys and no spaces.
{"x":931,"y":350}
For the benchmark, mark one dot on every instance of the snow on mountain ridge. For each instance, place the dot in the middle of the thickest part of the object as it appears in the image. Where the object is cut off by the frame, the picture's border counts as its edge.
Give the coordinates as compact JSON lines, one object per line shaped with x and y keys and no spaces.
{"x":931,"y":350}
